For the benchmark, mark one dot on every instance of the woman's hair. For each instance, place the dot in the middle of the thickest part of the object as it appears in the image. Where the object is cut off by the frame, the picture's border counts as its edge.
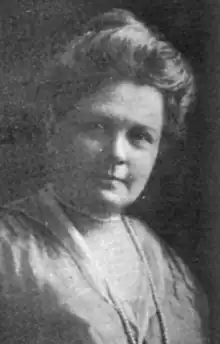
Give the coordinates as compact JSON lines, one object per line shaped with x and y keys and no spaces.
{"x":115,"y":45}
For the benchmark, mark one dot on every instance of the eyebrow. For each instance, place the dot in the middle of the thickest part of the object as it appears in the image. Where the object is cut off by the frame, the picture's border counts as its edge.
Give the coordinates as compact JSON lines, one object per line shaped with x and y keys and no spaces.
{"x":148,"y":129}
{"x":107,"y":117}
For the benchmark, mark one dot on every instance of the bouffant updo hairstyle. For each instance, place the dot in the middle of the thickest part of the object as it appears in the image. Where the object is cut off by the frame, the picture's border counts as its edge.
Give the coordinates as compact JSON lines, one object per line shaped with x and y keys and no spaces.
{"x":117,"y":46}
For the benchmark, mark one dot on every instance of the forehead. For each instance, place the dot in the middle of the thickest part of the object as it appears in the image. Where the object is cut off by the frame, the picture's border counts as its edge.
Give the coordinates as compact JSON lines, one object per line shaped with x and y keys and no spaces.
{"x":125,"y":101}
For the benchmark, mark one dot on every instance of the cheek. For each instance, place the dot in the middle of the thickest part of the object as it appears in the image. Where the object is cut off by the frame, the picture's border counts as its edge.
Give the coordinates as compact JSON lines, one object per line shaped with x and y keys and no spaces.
{"x":143,"y":165}
{"x":81,"y":152}
{"x":90,"y":146}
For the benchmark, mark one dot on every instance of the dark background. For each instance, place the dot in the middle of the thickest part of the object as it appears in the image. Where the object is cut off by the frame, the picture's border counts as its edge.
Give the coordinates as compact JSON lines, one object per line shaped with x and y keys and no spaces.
{"x":183,"y":191}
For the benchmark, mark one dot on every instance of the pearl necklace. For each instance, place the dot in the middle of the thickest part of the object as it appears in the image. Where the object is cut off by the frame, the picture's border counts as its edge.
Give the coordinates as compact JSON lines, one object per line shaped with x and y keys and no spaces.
{"x":112,"y":297}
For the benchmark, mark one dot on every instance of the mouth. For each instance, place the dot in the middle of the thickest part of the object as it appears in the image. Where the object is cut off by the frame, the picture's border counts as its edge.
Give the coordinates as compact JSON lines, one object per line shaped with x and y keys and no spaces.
{"x":112,"y":179}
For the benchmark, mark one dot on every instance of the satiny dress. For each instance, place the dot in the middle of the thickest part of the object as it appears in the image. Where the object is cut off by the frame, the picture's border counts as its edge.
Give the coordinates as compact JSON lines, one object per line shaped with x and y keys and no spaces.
{"x":49,"y":294}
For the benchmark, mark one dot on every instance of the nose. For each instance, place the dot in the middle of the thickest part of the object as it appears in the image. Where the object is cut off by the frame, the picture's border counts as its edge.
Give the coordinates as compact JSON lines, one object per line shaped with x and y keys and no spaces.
{"x":120,"y":148}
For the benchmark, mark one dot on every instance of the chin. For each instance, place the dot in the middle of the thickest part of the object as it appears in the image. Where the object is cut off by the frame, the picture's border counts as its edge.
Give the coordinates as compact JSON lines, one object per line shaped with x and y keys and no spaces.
{"x":114,"y":200}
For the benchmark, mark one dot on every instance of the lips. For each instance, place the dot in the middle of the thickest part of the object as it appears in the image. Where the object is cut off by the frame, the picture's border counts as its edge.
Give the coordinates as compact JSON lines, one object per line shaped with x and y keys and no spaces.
{"x":114,"y":178}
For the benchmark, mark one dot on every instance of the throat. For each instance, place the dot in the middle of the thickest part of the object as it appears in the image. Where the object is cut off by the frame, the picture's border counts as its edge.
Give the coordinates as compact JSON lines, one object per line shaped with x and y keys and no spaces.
{"x":117,"y":258}
{"x":93,"y":227}
{"x":94,"y":213}
{"x":112,"y":249}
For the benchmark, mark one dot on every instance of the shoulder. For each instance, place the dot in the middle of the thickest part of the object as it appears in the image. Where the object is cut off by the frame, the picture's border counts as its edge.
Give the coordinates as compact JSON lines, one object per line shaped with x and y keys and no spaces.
{"x":15,"y":225}
{"x":185,"y":303}
{"x":27,"y":204}
{"x":174,"y":267}
{"x":22,"y":225}
{"x":26,"y":243}
{"x":13,"y":217}
{"x":13,"y":242}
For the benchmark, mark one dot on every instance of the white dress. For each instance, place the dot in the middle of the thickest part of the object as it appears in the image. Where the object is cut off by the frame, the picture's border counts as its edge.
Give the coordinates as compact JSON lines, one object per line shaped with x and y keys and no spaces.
{"x":49,"y":293}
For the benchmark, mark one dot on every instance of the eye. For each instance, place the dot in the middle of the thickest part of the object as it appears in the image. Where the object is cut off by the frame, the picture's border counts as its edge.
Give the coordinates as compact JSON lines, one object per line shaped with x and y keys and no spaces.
{"x":141,"y":137}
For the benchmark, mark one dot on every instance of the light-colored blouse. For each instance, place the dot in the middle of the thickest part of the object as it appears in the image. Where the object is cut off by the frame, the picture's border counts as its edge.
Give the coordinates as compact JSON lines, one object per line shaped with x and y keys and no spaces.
{"x":50,"y":292}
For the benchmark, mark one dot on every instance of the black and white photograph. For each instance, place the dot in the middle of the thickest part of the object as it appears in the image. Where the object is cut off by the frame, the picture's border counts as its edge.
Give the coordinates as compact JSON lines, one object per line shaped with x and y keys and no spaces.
{"x":109,"y":172}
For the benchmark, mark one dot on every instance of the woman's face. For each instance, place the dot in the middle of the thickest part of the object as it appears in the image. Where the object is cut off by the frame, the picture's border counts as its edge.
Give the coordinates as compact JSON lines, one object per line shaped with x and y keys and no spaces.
{"x":106,"y":147}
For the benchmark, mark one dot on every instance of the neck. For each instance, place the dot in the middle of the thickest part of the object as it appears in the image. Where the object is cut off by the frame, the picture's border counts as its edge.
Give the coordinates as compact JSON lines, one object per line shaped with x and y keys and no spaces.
{"x":93,"y":213}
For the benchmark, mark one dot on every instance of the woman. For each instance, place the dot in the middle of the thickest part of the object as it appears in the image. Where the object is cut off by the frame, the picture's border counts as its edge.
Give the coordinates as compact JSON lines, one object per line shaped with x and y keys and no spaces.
{"x":74,"y":267}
